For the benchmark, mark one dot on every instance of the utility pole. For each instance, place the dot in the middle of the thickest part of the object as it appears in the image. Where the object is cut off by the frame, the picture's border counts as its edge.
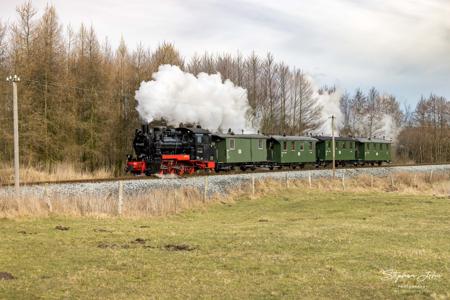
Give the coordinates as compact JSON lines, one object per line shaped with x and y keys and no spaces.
{"x":14,"y":79}
{"x":333,"y":146}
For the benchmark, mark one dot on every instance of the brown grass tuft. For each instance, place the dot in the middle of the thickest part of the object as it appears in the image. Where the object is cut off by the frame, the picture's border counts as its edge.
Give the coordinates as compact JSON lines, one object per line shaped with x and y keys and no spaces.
{"x":61,"y":171}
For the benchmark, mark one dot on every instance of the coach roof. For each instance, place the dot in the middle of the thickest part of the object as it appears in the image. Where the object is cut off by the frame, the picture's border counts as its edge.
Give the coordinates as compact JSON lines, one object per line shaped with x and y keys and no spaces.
{"x":366,"y":140}
{"x":292,"y":138}
{"x":240,"y":136}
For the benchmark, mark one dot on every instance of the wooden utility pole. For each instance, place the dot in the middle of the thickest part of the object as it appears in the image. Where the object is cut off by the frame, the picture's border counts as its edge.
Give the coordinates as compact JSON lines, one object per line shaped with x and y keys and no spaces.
{"x":333,"y":146}
{"x":14,"y":79}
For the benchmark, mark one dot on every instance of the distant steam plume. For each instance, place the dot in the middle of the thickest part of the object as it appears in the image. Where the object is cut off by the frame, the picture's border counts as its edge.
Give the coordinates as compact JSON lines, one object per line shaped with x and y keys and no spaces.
{"x":178,"y":97}
{"x":329,"y":100}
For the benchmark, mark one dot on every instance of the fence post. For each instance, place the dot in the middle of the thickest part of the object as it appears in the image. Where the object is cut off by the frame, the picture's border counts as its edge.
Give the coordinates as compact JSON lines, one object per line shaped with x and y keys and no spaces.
{"x":286,"y":180}
{"x":392,"y":180}
{"x":343,"y":181}
{"x":414,"y":180}
{"x":120,"y":203}
{"x":431,"y":176}
{"x":47,"y":198}
{"x":175,"y":200}
{"x":205,"y":191}
{"x":371,"y":181}
{"x":253,"y":185}
{"x":309,"y":180}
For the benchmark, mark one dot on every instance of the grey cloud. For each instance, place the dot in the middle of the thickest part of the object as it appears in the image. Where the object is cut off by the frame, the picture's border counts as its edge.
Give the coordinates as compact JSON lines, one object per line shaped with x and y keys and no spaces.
{"x":399,"y":46}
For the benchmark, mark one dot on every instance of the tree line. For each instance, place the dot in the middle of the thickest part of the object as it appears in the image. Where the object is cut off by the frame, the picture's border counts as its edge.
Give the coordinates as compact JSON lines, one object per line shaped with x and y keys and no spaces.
{"x":76,"y":97}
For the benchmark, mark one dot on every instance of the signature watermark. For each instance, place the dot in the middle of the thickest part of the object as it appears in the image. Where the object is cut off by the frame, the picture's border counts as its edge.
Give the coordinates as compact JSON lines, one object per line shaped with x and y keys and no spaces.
{"x":409,"y":280}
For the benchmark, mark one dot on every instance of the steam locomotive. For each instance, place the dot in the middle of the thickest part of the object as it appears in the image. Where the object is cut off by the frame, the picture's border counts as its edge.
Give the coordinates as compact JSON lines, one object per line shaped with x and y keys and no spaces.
{"x":185,"y":150}
{"x":166,"y":150}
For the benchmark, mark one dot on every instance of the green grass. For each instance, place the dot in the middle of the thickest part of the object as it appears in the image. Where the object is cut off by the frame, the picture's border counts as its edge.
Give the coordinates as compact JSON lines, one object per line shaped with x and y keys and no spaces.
{"x":295,"y":245}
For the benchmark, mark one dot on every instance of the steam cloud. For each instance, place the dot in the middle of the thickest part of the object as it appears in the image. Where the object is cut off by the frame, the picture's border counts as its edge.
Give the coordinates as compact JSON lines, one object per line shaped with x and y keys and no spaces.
{"x":330,"y":103}
{"x":178,"y":96}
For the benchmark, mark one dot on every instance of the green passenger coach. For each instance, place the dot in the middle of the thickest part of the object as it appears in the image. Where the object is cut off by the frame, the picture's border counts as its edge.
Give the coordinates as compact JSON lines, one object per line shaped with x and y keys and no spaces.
{"x":373,"y":151}
{"x":345,"y":150}
{"x":291,"y":151}
{"x":243,"y":150}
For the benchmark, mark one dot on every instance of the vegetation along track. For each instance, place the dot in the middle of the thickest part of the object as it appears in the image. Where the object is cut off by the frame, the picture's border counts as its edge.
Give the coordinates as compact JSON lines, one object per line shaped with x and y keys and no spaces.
{"x":257,"y":171}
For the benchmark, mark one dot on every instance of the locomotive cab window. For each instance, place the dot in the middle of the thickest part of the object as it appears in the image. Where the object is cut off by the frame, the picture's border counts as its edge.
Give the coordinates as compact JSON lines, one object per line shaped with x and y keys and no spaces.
{"x":199,"y":138}
{"x":232,"y":144}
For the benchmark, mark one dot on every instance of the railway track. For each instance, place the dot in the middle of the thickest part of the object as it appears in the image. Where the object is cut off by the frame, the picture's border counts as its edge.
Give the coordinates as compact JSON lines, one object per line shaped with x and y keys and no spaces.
{"x":261,"y":170}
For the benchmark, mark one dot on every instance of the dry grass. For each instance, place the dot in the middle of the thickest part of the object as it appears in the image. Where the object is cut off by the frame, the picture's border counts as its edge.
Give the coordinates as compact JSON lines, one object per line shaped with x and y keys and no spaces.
{"x":61,"y":171}
{"x":167,"y":202}
{"x":155,"y":203}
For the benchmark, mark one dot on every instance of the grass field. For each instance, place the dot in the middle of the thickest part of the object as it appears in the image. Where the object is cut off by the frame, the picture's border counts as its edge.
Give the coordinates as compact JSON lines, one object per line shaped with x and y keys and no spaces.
{"x":297,"y":244}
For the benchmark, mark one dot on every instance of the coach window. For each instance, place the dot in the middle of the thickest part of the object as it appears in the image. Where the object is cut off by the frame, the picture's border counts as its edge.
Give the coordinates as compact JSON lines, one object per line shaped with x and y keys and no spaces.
{"x":285,"y":146}
{"x":260,"y":144}
{"x":232,"y":144}
{"x":311,"y":146}
{"x":302,"y":146}
{"x":292,"y":146}
{"x":344,"y":145}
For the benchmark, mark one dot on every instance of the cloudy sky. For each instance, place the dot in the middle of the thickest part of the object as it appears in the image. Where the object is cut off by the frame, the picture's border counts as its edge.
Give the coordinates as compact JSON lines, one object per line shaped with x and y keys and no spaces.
{"x":400,"y":46}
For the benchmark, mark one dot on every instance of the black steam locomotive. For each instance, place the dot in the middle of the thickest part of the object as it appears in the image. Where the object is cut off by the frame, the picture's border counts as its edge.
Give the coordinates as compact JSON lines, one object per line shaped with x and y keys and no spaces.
{"x":165,"y":150}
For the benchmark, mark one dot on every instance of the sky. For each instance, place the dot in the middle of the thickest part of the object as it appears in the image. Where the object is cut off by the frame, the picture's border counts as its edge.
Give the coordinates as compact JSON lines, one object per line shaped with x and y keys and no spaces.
{"x":401,"y":47}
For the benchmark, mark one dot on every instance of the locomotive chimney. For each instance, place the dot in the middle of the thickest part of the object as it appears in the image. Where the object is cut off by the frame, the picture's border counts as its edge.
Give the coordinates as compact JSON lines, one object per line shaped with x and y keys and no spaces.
{"x":145,"y":128}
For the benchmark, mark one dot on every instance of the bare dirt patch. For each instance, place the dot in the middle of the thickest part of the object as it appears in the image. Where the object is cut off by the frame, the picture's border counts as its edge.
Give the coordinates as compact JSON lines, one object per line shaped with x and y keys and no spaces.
{"x":179,"y":247}
{"x":6,"y":276}
{"x":25,"y":232}
{"x":102,"y":230}
{"x":139,"y":241}
{"x":62,"y":228}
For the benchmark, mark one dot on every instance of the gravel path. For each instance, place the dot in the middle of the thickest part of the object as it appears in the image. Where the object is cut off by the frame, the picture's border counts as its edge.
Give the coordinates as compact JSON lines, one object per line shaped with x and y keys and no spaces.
{"x":216,"y":184}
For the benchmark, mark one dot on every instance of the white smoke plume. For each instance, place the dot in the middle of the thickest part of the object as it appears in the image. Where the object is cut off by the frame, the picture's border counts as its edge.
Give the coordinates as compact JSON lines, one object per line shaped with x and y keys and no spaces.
{"x":330,"y":103}
{"x":181,"y":97}
{"x":390,"y":129}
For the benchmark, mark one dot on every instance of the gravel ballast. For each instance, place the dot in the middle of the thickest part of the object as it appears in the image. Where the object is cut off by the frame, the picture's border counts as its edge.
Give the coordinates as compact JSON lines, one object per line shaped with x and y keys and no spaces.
{"x":220,"y":184}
